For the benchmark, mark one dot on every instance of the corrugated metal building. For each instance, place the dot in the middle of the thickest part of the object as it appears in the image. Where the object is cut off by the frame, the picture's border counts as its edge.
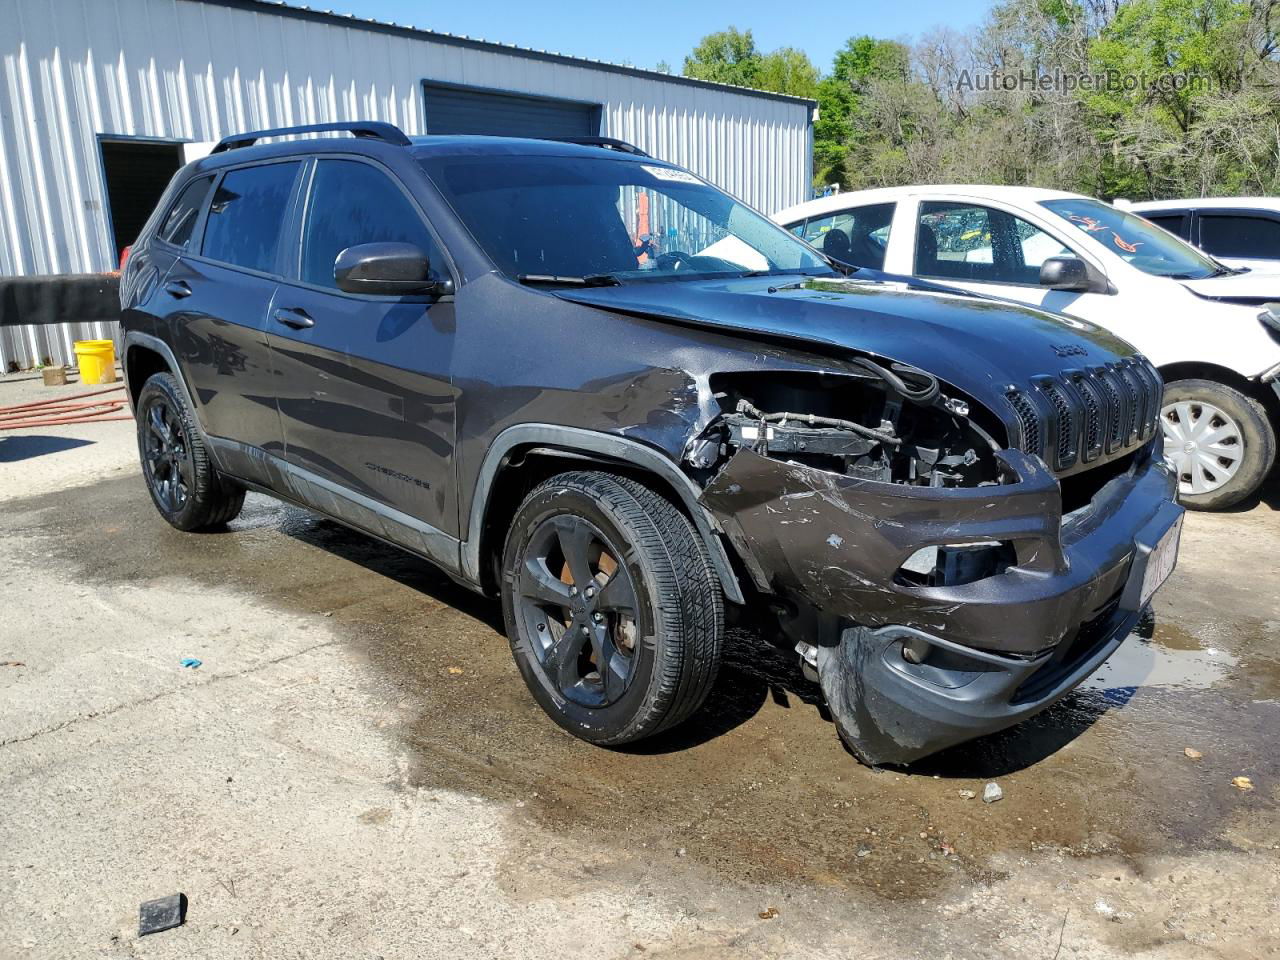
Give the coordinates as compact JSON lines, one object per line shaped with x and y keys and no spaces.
{"x":101,"y":100}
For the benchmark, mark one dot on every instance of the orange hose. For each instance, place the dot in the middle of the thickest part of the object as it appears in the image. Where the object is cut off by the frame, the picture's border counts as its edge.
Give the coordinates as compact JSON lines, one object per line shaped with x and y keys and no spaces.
{"x":55,"y":421}
{"x":57,"y":400}
{"x":105,"y":406}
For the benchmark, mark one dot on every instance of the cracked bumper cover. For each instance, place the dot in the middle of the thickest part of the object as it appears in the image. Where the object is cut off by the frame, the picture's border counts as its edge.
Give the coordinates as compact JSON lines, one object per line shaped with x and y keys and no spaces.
{"x":1001,"y":648}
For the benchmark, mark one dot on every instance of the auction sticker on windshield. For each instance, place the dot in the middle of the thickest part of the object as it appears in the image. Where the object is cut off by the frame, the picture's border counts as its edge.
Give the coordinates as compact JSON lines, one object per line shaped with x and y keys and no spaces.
{"x":668,"y":173}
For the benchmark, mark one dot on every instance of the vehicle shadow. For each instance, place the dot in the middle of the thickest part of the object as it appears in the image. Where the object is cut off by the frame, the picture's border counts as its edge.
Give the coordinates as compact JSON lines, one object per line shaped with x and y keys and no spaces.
{"x":391,"y":562}
{"x":13,"y":449}
{"x":753,"y":671}
{"x":1267,"y":495}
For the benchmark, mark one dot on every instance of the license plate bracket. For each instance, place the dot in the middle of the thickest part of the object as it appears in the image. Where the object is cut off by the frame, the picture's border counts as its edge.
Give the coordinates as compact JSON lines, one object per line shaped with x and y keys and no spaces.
{"x":1153,"y":562}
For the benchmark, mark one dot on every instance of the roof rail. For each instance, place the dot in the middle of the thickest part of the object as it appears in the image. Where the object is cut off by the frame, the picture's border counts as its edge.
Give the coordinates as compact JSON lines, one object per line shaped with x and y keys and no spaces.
{"x":609,"y":143}
{"x":369,"y":129}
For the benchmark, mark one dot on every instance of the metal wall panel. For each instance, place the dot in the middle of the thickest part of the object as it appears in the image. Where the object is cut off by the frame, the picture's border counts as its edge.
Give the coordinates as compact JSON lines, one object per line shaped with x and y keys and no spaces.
{"x":197,"y":70}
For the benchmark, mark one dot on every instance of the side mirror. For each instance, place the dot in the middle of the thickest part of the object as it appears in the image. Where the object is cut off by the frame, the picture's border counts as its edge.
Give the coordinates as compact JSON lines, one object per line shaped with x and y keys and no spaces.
{"x":385,"y":269}
{"x":1065,"y":273}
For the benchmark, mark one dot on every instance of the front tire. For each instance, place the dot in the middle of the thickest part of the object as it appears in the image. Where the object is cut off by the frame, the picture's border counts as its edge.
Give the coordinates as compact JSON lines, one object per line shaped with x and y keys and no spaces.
{"x":615,"y":615}
{"x":185,"y":487}
{"x":1218,"y":441}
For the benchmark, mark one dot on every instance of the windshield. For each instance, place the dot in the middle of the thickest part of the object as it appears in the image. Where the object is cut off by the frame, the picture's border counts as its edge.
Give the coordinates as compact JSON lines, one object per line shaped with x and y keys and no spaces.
{"x":559,"y":218}
{"x":1136,"y":241}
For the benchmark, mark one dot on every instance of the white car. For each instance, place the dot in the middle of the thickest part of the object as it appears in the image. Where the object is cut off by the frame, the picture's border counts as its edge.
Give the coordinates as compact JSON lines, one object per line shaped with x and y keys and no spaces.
{"x":1238,"y":231}
{"x":1214,"y":332}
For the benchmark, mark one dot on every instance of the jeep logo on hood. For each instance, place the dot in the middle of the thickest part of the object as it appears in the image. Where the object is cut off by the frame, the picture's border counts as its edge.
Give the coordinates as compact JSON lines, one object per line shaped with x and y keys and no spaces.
{"x":1069,"y":350}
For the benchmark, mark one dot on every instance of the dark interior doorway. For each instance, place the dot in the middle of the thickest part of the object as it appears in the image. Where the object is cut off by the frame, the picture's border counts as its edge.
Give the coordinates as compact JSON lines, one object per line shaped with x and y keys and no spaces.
{"x":136,"y":172}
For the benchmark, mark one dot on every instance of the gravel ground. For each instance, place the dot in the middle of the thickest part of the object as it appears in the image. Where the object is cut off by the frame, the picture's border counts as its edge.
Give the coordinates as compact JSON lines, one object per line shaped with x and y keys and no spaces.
{"x":355,"y":770}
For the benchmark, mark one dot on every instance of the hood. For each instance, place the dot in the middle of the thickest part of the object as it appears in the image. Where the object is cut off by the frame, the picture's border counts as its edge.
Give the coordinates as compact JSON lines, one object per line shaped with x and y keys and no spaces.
{"x":1249,"y":287}
{"x":978,"y":345}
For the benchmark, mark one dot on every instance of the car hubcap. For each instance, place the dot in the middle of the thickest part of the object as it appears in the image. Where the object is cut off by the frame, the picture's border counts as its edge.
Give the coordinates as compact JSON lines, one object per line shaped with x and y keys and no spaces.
{"x":577,"y":603}
{"x":166,"y":456}
{"x":1202,"y":444}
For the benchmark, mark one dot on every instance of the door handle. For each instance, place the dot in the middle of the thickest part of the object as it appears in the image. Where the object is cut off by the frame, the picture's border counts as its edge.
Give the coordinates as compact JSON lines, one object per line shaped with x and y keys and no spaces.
{"x":298,"y":319}
{"x":178,"y":289}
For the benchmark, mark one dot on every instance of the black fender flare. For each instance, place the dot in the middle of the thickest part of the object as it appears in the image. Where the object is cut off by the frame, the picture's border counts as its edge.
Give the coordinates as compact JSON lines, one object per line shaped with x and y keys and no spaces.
{"x":607,"y":446}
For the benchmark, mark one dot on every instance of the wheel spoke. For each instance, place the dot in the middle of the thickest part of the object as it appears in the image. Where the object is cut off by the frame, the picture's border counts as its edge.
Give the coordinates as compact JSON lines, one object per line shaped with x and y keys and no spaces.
{"x":561,"y":658}
{"x":1213,"y":436}
{"x":1201,"y":482}
{"x":612,"y":667}
{"x":185,"y":478}
{"x":156,"y":423}
{"x":617,"y":594}
{"x":1186,"y":421}
{"x":1227,"y":451}
{"x":537,"y":583}
{"x":575,"y":543}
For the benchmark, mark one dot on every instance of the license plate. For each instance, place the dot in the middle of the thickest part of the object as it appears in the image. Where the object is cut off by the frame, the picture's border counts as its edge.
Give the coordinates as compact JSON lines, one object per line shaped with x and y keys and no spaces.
{"x":1160,"y":562}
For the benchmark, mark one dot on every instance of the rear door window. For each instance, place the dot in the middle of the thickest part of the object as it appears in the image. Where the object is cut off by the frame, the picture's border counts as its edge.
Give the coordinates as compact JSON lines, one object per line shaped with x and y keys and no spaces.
{"x":354,"y":203}
{"x":181,"y":219}
{"x":1228,"y":235}
{"x":859,"y":236}
{"x":246,"y":216}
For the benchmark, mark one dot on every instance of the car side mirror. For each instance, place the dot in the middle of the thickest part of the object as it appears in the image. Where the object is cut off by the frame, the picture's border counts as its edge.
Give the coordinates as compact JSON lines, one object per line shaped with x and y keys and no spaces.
{"x":384,"y":269}
{"x":1065,"y":273}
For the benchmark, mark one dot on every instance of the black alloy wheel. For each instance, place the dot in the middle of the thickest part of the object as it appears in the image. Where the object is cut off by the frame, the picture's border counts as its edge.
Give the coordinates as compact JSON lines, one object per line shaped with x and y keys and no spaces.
{"x":579,"y":603}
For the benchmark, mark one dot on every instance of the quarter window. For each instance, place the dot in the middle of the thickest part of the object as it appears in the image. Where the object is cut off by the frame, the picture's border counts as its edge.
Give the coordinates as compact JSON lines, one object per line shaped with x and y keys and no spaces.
{"x":859,"y":236}
{"x":181,"y":219}
{"x":354,"y":203}
{"x":247,"y":213}
{"x":1237,"y":236}
{"x":957,"y":241}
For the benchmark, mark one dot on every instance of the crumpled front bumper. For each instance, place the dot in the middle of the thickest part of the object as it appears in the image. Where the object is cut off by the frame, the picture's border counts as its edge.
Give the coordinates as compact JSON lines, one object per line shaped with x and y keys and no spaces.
{"x":998,"y":649}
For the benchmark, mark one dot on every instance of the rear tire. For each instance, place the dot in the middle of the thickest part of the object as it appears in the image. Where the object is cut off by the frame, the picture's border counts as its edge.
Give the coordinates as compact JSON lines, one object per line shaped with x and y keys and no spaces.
{"x":1219,"y":441}
{"x":184,"y":485}
{"x":600,"y":569}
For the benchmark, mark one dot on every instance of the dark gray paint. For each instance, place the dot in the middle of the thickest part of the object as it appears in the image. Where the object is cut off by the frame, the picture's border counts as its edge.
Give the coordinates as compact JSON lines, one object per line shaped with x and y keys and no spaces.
{"x":450,"y":390}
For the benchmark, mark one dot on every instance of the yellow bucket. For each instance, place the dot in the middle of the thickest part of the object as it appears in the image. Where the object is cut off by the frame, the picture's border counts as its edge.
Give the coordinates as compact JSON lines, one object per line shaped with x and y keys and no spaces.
{"x":96,"y":360}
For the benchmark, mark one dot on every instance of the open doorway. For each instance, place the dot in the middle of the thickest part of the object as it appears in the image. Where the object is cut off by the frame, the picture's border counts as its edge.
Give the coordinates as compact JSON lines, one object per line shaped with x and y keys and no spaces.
{"x":136,"y":173}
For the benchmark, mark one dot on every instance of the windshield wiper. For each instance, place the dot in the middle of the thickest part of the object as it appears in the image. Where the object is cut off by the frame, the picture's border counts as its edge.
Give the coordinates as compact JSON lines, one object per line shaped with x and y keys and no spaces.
{"x":552,"y":280}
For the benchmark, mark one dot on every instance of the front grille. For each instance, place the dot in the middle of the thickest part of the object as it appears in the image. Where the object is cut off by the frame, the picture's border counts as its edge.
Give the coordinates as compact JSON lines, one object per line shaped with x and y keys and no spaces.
{"x":1076,"y":416}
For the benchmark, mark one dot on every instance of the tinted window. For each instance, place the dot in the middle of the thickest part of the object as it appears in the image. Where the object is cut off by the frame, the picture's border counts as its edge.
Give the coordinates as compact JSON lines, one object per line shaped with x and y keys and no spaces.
{"x":582,"y":215}
{"x":182,"y":216}
{"x":247,"y":214}
{"x":354,"y":203}
{"x":1173,"y":222}
{"x":957,"y":241}
{"x":1237,"y":236}
{"x":857,"y":236}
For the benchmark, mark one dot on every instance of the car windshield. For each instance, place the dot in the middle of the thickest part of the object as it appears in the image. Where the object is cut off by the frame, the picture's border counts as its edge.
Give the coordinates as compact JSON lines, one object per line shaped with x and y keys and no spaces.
{"x":560,"y":219}
{"x":1135,"y":240}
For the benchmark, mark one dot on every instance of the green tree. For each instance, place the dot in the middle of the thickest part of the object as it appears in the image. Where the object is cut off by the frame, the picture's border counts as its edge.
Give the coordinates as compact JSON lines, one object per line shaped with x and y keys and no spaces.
{"x":728,"y":56}
{"x":788,"y":70}
{"x":842,"y":109}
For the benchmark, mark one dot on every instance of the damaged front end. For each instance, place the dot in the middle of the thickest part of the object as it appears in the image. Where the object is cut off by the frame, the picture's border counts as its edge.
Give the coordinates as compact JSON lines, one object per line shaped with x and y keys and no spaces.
{"x":925,"y":570}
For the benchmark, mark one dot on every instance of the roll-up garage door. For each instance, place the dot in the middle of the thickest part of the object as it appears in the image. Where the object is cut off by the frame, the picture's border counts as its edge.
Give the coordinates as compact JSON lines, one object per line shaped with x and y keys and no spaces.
{"x":453,"y":109}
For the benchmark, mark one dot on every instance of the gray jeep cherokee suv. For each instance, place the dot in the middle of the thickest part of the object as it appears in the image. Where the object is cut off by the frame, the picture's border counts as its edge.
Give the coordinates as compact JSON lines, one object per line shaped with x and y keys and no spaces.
{"x":588,"y":381}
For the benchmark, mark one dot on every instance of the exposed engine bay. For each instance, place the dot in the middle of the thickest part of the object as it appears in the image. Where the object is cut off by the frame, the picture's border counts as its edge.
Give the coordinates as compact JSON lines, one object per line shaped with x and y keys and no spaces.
{"x":891,"y":424}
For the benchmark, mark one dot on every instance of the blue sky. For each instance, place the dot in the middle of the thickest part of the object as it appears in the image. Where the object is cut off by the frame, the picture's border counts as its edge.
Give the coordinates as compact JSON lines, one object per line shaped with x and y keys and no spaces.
{"x":643,"y":33}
